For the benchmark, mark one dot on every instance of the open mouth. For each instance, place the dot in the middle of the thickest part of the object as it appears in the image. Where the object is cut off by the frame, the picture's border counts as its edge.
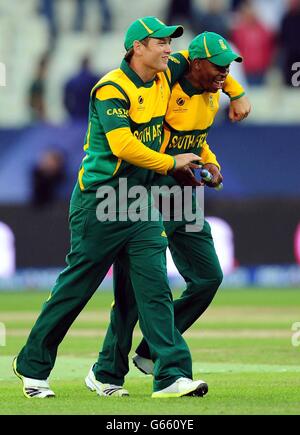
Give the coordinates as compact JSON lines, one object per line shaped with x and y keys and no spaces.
{"x":219,"y":83}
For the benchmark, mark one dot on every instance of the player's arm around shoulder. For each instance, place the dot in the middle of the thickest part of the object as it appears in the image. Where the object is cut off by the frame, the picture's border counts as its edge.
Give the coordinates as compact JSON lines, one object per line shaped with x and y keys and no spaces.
{"x":240,"y":105}
{"x":177,"y":66}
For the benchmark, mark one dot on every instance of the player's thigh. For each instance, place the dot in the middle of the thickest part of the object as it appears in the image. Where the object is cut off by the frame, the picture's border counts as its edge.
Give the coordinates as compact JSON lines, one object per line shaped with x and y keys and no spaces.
{"x":146,"y":252}
{"x":147,"y":246}
{"x":97,"y":241}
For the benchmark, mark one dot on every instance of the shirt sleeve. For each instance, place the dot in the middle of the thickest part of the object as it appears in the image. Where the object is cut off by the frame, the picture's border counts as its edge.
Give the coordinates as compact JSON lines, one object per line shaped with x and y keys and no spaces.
{"x":113,"y":110}
{"x":177,"y":66}
{"x":233,"y":88}
{"x":208,"y":156}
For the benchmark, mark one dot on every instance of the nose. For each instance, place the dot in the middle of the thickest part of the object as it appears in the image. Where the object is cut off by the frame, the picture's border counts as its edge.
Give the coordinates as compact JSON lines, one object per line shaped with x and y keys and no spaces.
{"x":168,"y":49}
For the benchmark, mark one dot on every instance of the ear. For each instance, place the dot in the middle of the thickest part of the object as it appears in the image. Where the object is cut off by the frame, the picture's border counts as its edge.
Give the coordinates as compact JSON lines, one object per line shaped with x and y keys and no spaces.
{"x":196,"y":63}
{"x":137,"y":46}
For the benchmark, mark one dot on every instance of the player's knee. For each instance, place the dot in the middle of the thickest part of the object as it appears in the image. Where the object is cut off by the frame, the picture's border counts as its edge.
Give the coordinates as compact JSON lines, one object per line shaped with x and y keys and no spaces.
{"x":208,"y":285}
{"x":203,"y":288}
{"x":215,"y":282}
{"x":218,"y":278}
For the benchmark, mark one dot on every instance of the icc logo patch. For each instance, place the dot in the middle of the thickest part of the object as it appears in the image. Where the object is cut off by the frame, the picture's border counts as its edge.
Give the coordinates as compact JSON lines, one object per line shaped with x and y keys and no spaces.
{"x":140,"y":99}
{"x":180,"y":101}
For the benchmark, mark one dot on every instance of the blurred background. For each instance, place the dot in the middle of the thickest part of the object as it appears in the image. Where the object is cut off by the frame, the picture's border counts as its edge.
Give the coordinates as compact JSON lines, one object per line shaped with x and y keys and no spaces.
{"x":51,"y":54}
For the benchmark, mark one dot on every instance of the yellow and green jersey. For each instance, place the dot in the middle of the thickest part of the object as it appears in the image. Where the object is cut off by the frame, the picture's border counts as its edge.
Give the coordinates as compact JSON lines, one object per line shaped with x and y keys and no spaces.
{"x":190,"y":115}
{"x":125,"y":130}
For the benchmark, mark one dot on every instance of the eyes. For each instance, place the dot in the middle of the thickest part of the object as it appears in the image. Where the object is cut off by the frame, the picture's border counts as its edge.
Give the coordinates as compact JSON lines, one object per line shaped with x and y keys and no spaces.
{"x":220,"y":69}
{"x":164,"y":41}
{"x":223,"y":69}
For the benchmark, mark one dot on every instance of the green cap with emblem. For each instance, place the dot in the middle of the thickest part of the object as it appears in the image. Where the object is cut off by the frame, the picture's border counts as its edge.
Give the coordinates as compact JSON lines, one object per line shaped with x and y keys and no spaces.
{"x":213,"y":47}
{"x":149,"y":27}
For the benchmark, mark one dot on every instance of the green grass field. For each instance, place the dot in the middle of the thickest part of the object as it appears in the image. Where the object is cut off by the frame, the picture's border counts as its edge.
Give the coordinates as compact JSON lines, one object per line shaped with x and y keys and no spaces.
{"x":242,"y":347}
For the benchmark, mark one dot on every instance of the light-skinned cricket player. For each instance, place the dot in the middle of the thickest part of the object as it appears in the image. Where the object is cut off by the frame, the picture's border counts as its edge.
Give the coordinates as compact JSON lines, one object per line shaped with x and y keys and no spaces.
{"x":191,"y":111}
{"x":123,"y":139}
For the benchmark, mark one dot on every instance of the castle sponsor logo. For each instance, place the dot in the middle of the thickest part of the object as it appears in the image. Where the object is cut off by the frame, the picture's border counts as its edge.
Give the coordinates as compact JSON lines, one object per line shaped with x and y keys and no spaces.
{"x":120,"y":112}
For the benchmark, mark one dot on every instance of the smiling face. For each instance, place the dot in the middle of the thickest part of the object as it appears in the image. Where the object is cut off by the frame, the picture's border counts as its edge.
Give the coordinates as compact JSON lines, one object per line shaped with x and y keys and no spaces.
{"x":154,"y":53}
{"x":207,"y":76}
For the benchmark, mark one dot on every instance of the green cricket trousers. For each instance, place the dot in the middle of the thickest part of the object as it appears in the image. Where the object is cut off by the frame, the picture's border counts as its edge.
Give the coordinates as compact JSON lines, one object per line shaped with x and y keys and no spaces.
{"x":94,"y":247}
{"x":195,"y":257}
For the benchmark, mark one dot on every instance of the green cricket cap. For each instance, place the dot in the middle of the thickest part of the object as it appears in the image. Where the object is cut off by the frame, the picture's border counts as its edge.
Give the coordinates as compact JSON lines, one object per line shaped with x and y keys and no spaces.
{"x":149,"y":27}
{"x":213,"y":47}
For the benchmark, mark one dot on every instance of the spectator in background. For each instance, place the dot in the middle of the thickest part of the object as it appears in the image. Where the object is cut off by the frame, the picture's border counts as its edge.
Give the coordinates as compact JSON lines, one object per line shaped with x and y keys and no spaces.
{"x":290,"y":40}
{"x":183,"y":11}
{"x":106,"y":21}
{"x":255,"y":43}
{"x":37,"y":91}
{"x":47,"y":177}
{"x":214,"y":19}
{"x":77,"y":91}
{"x":270,"y":12}
{"x":236,"y":4}
{"x":47,"y":8}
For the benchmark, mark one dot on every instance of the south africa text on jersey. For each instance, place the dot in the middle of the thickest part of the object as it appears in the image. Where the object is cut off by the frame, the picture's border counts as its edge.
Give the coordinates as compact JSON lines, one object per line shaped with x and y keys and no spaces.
{"x":149,"y":134}
{"x":188,"y":141}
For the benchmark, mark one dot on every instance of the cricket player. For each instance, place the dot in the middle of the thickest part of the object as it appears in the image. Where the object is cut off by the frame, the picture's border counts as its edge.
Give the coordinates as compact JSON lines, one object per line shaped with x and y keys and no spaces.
{"x":191,"y":111}
{"x":123,"y":139}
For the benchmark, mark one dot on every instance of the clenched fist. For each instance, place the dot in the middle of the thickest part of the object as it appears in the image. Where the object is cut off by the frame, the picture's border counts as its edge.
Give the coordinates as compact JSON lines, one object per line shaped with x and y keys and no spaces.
{"x":239,"y":109}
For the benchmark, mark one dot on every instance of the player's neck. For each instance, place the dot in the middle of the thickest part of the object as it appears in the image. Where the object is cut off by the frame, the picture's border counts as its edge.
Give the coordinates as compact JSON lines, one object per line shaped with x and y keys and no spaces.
{"x":193,"y":81}
{"x":145,"y":73}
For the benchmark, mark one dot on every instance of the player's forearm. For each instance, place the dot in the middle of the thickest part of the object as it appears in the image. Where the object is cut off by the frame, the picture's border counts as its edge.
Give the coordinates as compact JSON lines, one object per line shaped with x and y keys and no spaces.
{"x":127,"y":147}
{"x":233,"y":88}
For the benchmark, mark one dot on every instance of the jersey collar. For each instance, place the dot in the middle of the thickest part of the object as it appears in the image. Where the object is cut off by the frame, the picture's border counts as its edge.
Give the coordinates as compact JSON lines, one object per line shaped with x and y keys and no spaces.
{"x":132,"y":75}
{"x":188,"y":88}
